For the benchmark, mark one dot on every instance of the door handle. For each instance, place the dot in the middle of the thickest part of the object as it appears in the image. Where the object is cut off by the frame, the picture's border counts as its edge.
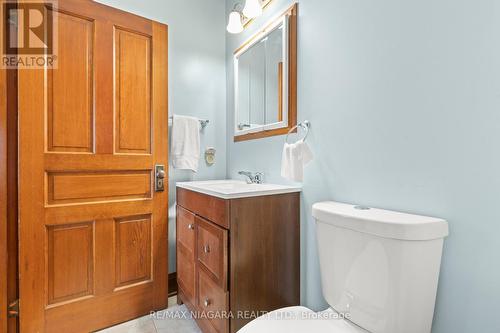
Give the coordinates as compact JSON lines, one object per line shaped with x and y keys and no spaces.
{"x":159,"y":178}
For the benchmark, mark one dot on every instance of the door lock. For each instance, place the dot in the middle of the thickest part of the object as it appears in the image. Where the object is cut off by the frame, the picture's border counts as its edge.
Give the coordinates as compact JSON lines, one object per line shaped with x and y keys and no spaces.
{"x":159,"y":178}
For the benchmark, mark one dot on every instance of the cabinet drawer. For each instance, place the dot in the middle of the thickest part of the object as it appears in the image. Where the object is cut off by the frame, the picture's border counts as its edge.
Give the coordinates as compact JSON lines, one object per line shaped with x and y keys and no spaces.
{"x":185,"y":228}
{"x":211,"y":252}
{"x":214,"y":301}
{"x":211,"y":208}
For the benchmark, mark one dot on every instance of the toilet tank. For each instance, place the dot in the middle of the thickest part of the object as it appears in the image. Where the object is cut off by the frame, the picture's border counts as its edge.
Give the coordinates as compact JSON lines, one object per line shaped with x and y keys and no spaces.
{"x":379,"y":267}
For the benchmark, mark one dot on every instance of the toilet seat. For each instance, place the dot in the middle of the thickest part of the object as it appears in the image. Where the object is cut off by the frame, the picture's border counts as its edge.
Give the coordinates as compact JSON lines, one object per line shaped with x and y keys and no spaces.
{"x":298,"y":319}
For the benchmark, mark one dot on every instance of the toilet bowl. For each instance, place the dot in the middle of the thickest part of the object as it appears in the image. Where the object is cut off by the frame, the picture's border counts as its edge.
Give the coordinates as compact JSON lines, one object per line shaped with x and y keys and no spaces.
{"x":379,"y":273}
{"x":297,"y":319}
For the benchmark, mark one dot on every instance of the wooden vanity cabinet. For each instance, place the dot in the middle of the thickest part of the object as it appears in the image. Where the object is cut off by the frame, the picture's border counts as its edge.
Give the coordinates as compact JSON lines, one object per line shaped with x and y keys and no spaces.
{"x":237,"y":258}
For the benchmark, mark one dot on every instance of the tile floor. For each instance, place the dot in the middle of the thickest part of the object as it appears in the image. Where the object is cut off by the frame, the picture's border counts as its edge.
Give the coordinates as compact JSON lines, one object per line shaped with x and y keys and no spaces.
{"x":170,"y":320}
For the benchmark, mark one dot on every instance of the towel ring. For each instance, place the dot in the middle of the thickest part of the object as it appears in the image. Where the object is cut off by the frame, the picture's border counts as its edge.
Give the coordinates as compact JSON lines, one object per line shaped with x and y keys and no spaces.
{"x":305,"y":125}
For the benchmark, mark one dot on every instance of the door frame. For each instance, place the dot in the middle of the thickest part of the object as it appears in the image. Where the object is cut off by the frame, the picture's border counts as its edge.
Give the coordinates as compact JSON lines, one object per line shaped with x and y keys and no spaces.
{"x":8,"y":198}
{"x":3,"y":200}
{"x":8,"y":195}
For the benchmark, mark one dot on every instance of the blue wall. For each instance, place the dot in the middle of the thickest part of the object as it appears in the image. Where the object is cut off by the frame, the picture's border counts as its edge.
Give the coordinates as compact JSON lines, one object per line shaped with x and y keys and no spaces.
{"x":196,"y":77}
{"x":404,"y":101}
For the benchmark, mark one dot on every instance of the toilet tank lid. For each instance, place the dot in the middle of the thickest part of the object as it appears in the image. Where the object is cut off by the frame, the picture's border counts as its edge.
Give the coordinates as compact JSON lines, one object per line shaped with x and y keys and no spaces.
{"x":380,"y":222}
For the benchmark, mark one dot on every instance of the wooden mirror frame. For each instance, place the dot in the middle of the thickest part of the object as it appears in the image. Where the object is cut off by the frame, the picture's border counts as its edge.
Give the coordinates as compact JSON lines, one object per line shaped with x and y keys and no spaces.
{"x":292,"y":76}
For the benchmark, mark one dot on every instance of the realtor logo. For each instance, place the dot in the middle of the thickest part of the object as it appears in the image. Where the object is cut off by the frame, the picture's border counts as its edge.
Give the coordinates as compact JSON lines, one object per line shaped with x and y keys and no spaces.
{"x":29,"y":34}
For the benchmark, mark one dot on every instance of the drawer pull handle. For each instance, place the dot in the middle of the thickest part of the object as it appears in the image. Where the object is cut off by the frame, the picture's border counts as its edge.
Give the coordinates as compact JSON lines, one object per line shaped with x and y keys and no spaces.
{"x":206,"y":249}
{"x":207,"y":302}
{"x":191,"y":226}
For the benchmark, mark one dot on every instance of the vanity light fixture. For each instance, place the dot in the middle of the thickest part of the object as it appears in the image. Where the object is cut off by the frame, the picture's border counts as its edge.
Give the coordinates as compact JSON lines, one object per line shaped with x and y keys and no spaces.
{"x":252,"y":9}
{"x":238,"y":18}
{"x":234,"y":26}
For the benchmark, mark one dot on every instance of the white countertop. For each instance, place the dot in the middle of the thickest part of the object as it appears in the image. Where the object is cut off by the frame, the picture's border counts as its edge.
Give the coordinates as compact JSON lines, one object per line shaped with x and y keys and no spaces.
{"x":233,"y":189}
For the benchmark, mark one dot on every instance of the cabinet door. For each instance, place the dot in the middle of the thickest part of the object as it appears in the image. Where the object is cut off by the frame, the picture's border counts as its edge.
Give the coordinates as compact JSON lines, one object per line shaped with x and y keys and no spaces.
{"x":186,"y":253}
{"x":212,"y":251}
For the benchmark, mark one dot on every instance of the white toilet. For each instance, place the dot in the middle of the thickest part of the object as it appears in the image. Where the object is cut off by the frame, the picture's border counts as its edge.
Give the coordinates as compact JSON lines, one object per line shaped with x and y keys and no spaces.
{"x":379,"y":269}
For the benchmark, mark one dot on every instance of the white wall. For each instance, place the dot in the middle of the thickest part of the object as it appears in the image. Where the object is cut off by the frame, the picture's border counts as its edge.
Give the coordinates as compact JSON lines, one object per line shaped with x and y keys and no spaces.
{"x":196,"y":77}
{"x":404,"y":101}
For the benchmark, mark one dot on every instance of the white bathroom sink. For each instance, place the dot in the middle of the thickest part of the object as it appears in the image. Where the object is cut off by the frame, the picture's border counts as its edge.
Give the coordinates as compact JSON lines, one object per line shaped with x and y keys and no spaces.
{"x":231,"y":189}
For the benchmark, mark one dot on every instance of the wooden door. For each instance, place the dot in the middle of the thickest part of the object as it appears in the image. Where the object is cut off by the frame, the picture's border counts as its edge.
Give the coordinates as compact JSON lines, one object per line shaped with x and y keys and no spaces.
{"x":93,"y":231}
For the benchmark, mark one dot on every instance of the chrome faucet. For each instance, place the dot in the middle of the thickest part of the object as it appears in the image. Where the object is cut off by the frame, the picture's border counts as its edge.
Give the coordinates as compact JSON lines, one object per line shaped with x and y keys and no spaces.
{"x":241,"y":126}
{"x":256,"y":178}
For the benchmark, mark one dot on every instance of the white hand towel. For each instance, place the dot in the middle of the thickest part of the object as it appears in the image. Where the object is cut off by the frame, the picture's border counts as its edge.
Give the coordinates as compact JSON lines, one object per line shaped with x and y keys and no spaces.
{"x":295,"y":157}
{"x":185,"y":149}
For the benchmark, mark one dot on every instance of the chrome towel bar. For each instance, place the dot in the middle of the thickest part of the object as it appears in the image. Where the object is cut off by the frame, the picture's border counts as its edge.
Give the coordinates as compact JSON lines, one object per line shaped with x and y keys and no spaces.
{"x":203,"y":122}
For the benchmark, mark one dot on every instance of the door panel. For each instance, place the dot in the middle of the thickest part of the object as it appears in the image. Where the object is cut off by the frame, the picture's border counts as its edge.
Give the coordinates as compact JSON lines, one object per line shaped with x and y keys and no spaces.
{"x":132,"y":99}
{"x":70,"y":260}
{"x":71,"y":88}
{"x":133,"y":250}
{"x":85,"y":187}
{"x":93,"y":240}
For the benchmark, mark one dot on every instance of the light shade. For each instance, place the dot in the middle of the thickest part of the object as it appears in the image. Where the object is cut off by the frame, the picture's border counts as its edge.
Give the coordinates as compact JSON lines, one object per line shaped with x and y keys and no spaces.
{"x":234,"y":25}
{"x":252,"y":8}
